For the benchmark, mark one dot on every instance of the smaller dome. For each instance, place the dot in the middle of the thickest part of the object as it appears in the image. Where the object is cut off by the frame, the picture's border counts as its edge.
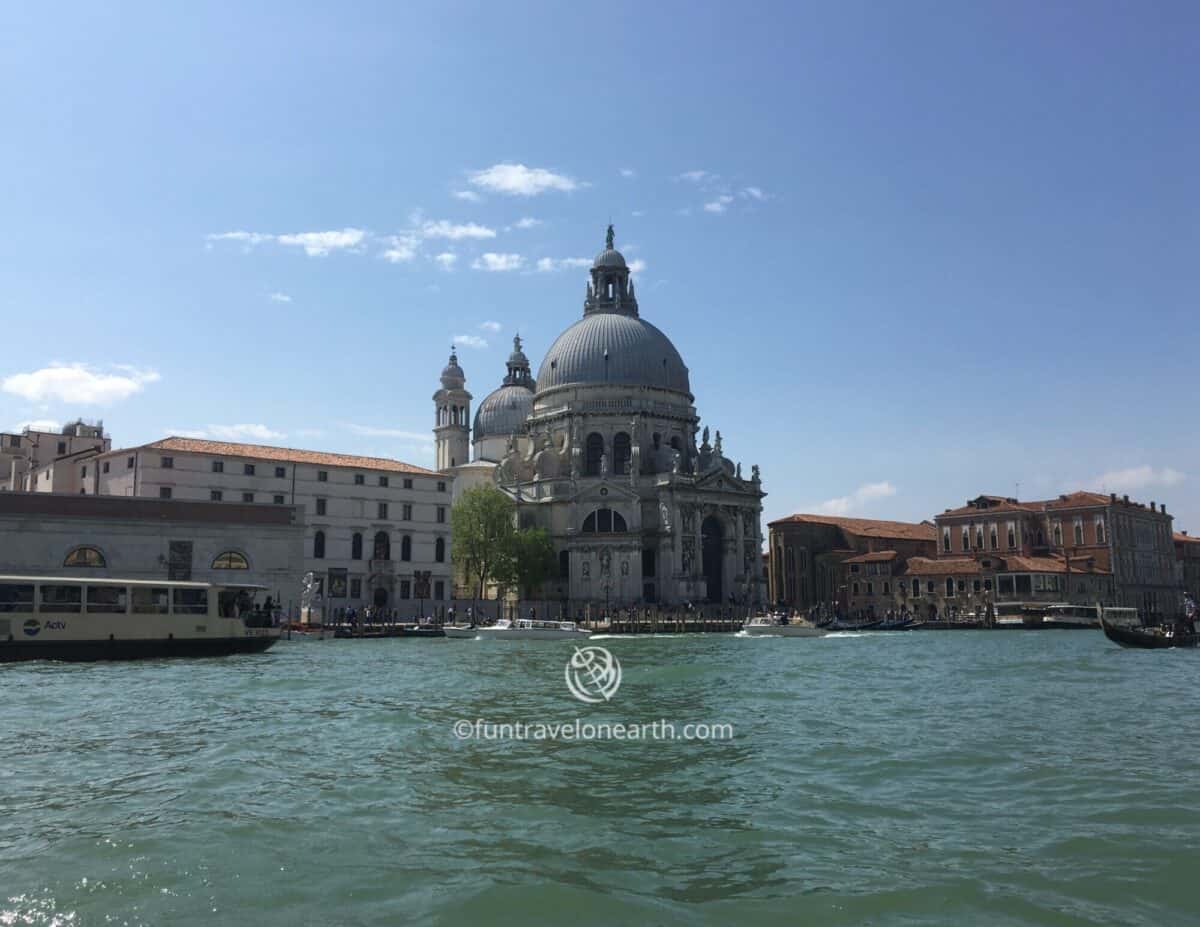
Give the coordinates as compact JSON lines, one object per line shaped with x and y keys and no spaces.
{"x":503,"y":412}
{"x":452,"y":374}
{"x":609,"y":257}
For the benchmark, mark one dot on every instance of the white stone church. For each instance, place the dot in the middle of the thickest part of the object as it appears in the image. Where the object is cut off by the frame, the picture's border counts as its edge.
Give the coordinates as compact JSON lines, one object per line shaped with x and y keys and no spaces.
{"x":602,"y":451}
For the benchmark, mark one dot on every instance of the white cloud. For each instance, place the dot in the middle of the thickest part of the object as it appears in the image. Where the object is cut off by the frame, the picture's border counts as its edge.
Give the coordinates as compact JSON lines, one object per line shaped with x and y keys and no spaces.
{"x":320,"y":244}
{"x":280,"y":298}
{"x":40,"y":424}
{"x":527,"y":222}
{"x":854,"y":502}
{"x":370,"y":431}
{"x":719,"y":205}
{"x":636,"y":266}
{"x":446,"y":260}
{"x":401,"y":249}
{"x":444,"y":229}
{"x":491,"y":326}
{"x":469,"y":196}
{"x":246,"y":238}
{"x":638,"y":213}
{"x":519,"y":180}
{"x":470,"y":341}
{"x":754,"y":193}
{"x":548,"y":265}
{"x":1134,"y":478}
{"x":696,"y":176}
{"x":491,"y":261}
{"x":242,"y":432}
{"x":628,"y":172}
{"x":78,"y":384}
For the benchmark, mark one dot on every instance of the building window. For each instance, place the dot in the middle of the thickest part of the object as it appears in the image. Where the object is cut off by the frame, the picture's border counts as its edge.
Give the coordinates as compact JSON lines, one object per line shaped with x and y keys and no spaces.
{"x":356,"y":546}
{"x":359,"y":479}
{"x":129,"y":464}
{"x":987,"y":584}
{"x":382,"y":510}
{"x":1057,"y":534}
{"x":279,"y":500}
{"x":1078,"y":532}
{"x":1012,"y":536}
{"x":870,"y":588}
{"x":247,"y":497}
{"x":406,"y":512}
{"x":621,"y":453}
{"x":408,"y":483}
{"x":83,"y":472}
{"x":564,"y":564}
{"x":929,"y":586}
{"x":230,"y":560}
{"x":962,"y":585}
{"x":916,"y":588}
{"x":441,"y":514}
{"x":979,"y":537}
{"x":248,"y":469}
{"x":966,"y":539}
{"x":441,"y":485}
{"x":975,"y":585}
{"x":854,"y":568}
{"x":164,"y":492}
{"x":62,"y":447}
{"x":85,"y":557}
{"x":356,"y":588}
{"x":854,"y":588}
{"x":406,"y":548}
{"x":218,"y":466}
{"x":382,"y":547}
{"x":594,"y":450}
{"x":322,"y":476}
{"x":319,"y":545}
{"x":383,"y":481}
{"x":405,"y":589}
{"x":439,"y":590}
{"x":946,"y":540}
{"x":1099,"y":530}
{"x":439,"y":550}
{"x":320,"y":506}
{"x":167,"y":463}
{"x":995,"y":541}
{"x":280,"y":473}
{"x":604,"y":521}
{"x":949,"y":587}
{"x":215,"y":495}
{"x":887,"y":589}
{"x":105,"y":468}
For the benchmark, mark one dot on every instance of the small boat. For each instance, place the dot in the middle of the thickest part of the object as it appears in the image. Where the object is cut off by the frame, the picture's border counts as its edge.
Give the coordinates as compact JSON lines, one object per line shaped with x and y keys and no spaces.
{"x":462,"y":632}
{"x":531,"y":629}
{"x":770,"y":626}
{"x":1159,"y":637}
{"x":307,"y":632}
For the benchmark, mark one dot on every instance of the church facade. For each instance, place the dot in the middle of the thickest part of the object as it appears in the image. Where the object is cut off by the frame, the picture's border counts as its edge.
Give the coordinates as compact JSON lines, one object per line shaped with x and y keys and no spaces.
{"x":603,"y":450}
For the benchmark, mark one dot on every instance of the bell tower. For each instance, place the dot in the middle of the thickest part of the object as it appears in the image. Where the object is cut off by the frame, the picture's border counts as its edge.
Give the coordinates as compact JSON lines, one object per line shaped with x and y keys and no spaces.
{"x":452,"y":407}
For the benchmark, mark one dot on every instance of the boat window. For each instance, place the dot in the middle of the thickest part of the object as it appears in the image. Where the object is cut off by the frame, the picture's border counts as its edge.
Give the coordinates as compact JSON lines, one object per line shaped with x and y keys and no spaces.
{"x":230,"y":560}
{"x":191,"y":601}
{"x":147,"y":600}
{"x":62,"y":599}
{"x":16,"y":597}
{"x":106,"y":600}
{"x":85,"y":557}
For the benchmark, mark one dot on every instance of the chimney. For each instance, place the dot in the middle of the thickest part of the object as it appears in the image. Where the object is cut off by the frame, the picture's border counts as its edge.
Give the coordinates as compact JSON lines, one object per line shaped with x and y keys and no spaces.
{"x":1163,"y":508}
{"x":1125,"y":498}
{"x":1153,"y":506}
{"x":1112,"y":497}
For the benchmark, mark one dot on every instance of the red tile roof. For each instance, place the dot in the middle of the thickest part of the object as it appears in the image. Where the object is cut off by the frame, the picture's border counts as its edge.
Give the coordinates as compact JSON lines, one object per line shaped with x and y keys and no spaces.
{"x":951,"y":566}
{"x":1073,"y":500}
{"x":866,"y":527}
{"x":1181,"y":538}
{"x":1052,"y":564}
{"x":878,"y":556}
{"x":282,"y":454}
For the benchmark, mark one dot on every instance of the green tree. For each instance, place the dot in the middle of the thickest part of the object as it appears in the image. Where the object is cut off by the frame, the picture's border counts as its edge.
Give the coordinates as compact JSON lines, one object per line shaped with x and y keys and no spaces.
{"x":530,"y":561}
{"x":481,"y":526}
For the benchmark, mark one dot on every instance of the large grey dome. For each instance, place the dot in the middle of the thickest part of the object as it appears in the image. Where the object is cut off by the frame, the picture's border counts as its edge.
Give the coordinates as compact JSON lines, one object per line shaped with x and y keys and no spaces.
{"x":609,"y":347}
{"x":503,"y":412}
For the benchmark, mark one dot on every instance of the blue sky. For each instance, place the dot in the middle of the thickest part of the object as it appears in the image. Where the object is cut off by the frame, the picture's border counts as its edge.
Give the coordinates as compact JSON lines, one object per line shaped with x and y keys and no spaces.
{"x":910,"y":252}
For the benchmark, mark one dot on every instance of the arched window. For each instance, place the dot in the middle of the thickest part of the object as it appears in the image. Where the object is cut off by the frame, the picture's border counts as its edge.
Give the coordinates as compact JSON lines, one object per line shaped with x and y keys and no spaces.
{"x":439,"y":550}
{"x":1058,"y":534}
{"x":594,"y":451}
{"x":949,"y":586}
{"x":382,"y":549}
{"x":604,"y":521}
{"x":621,"y":453}
{"x":319,"y":545}
{"x":356,"y":546}
{"x":85,"y":557}
{"x":230,"y":560}
{"x":406,"y":548}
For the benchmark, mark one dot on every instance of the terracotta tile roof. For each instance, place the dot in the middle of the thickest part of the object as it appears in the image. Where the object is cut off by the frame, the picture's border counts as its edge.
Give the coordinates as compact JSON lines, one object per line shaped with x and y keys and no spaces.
{"x":998,"y":505}
{"x":1051,"y":564}
{"x":866,"y":527}
{"x":951,"y":566}
{"x":878,"y":556}
{"x":1181,"y":538}
{"x":1072,"y":500}
{"x":282,"y":454}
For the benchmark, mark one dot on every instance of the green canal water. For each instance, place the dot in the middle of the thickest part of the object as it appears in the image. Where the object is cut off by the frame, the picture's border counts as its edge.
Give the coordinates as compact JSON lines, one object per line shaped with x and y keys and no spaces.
{"x":920,"y":778}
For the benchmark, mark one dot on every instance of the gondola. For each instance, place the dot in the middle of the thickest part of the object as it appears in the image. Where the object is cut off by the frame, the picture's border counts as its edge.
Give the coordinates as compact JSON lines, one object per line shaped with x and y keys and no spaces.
{"x":1154,"y":638}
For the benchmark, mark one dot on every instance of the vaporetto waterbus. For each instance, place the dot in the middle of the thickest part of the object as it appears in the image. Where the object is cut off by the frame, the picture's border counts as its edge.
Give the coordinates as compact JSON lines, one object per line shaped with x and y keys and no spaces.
{"x":73,"y":618}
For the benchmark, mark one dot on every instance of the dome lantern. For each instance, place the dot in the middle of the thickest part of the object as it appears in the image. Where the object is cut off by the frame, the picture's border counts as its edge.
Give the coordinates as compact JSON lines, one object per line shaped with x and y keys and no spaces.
{"x":611,"y":289}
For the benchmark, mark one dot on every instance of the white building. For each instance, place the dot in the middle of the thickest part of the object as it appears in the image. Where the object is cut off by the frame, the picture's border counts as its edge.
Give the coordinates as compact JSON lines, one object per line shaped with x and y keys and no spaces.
{"x":51,"y":461}
{"x":377,"y":531}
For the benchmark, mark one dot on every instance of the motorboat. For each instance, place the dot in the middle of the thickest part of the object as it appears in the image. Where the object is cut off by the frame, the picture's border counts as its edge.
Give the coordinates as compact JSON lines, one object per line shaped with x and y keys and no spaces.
{"x":773,"y":626}
{"x":69,"y":618}
{"x":461,"y":631}
{"x":531,"y":629}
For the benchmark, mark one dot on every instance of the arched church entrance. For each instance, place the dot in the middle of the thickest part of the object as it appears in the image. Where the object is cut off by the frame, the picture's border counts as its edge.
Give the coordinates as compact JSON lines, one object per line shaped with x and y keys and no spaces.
{"x":380,"y":597}
{"x":710,"y":547}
